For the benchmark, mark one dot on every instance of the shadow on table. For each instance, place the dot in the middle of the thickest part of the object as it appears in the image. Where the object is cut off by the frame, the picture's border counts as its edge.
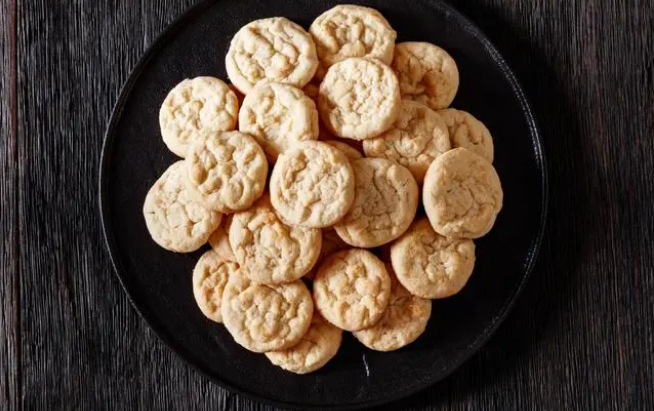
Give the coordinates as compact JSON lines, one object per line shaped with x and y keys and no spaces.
{"x":542,"y":310}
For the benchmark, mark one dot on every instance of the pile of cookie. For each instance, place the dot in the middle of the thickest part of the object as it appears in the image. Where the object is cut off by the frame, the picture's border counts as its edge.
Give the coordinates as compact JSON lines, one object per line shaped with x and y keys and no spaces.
{"x":354,"y":128}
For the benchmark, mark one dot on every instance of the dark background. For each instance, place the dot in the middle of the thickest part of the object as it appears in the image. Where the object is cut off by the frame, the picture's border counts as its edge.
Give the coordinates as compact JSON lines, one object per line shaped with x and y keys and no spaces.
{"x":581,"y":337}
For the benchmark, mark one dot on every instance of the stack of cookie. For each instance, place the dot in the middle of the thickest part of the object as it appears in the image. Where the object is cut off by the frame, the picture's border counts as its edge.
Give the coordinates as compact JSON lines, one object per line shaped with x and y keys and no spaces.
{"x":354,"y":127}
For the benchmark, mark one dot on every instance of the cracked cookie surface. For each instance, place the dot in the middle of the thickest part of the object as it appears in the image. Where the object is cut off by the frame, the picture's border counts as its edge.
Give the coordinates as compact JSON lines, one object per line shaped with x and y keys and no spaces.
{"x":228,"y":170}
{"x":430,"y":265}
{"x":467,"y":132}
{"x":268,"y":250}
{"x":462,"y":194}
{"x":193,"y":107}
{"x":175,"y":219}
{"x":210,"y":276}
{"x":415,"y":139}
{"x":312,"y":185}
{"x":319,"y":345}
{"x":359,"y":98}
{"x":427,"y":73}
{"x":404,"y":320}
{"x":352,"y":289}
{"x":351,"y":31}
{"x":274,"y":49}
{"x":263,"y":317}
{"x":278,"y":116}
{"x":385,"y":203}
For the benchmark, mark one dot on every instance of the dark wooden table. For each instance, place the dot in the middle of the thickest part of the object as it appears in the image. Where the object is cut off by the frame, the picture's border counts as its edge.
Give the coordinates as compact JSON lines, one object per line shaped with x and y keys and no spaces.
{"x":580,"y":338}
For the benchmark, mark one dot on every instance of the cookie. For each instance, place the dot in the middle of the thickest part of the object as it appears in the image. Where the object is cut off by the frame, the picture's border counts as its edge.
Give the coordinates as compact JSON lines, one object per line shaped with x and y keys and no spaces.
{"x":467,"y":132}
{"x":462,"y":194}
{"x":359,"y":98}
{"x":278,"y":116}
{"x":403,"y":322}
{"x":352,"y":289}
{"x":319,"y":345}
{"x":274,"y":49}
{"x":351,"y":31}
{"x":350,"y":152}
{"x":385,"y":203}
{"x":430,"y":265}
{"x":219,"y":242}
{"x":210,"y":276}
{"x":175,"y":219}
{"x":331,"y":243}
{"x":417,"y":137}
{"x":270,"y":251}
{"x":264,"y":318}
{"x":193,"y":107}
{"x":228,"y":170}
{"x":312,"y":185}
{"x":427,"y":73}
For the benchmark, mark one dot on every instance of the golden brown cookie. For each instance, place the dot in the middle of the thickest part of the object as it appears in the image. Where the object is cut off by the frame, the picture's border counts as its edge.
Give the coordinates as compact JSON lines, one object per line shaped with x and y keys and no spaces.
{"x":312,"y":185}
{"x":417,"y":137}
{"x":350,"y":152}
{"x":274,"y":49}
{"x":462,"y":194}
{"x":430,"y":265}
{"x":359,"y":98}
{"x":351,"y":31}
{"x":175,"y":219}
{"x":385,"y":203}
{"x":352,"y":289}
{"x":194,"y":107}
{"x":265,"y":318}
{"x":278,"y":116}
{"x":319,"y":345}
{"x":270,"y":251}
{"x":404,"y":320}
{"x":427,"y":73}
{"x":219,"y":241}
{"x":209,"y":279}
{"x":228,"y":170}
{"x":467,"y":132}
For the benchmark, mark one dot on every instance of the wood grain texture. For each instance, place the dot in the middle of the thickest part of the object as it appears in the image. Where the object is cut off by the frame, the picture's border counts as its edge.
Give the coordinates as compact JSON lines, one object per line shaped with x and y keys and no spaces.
{"x":9,"y":264}
{"x":581,"y":337}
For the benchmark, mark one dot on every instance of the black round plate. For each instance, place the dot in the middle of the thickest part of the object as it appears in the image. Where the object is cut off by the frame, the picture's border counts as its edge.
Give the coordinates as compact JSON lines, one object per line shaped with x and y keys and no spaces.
{"x":158,"y":282}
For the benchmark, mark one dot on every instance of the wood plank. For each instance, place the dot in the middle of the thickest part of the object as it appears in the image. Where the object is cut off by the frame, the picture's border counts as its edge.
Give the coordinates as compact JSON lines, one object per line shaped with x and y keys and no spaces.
{"x":9,"y":217}
{"x":581,"y":337}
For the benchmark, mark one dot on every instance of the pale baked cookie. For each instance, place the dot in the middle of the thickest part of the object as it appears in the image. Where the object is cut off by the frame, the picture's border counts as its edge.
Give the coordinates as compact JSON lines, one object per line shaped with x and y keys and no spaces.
{"x":312,"y":185}
{"x":319,"y":345}
{"x":270,"y":251}
{"x":430,"y":265}
{"x":462,"y":194}
{"x":359,"y":98}
{"x":351,"y":31}
{"x":331,"y":243}
{"x":219,"y":241}
{"x":274,"y":49}
{"x":468,"y":132}
{"x":228,"y":170}
{"x":403,"y":322}
{"x":193,"y":107}
{"x":350,"y":152}
{"x":427,"y":73}
{"x":385,"y":203}
{"x":417,"y":137}
{"x":175,"y":219}
{"x":278,"y":116}
{"x":263,"y":317}
{"x":352,"y":289}
{"x":209,"y":279}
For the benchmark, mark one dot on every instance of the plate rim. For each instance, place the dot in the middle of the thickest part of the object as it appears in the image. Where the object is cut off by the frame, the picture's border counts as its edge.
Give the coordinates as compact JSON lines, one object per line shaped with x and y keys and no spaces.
{"x":178,"y":23}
